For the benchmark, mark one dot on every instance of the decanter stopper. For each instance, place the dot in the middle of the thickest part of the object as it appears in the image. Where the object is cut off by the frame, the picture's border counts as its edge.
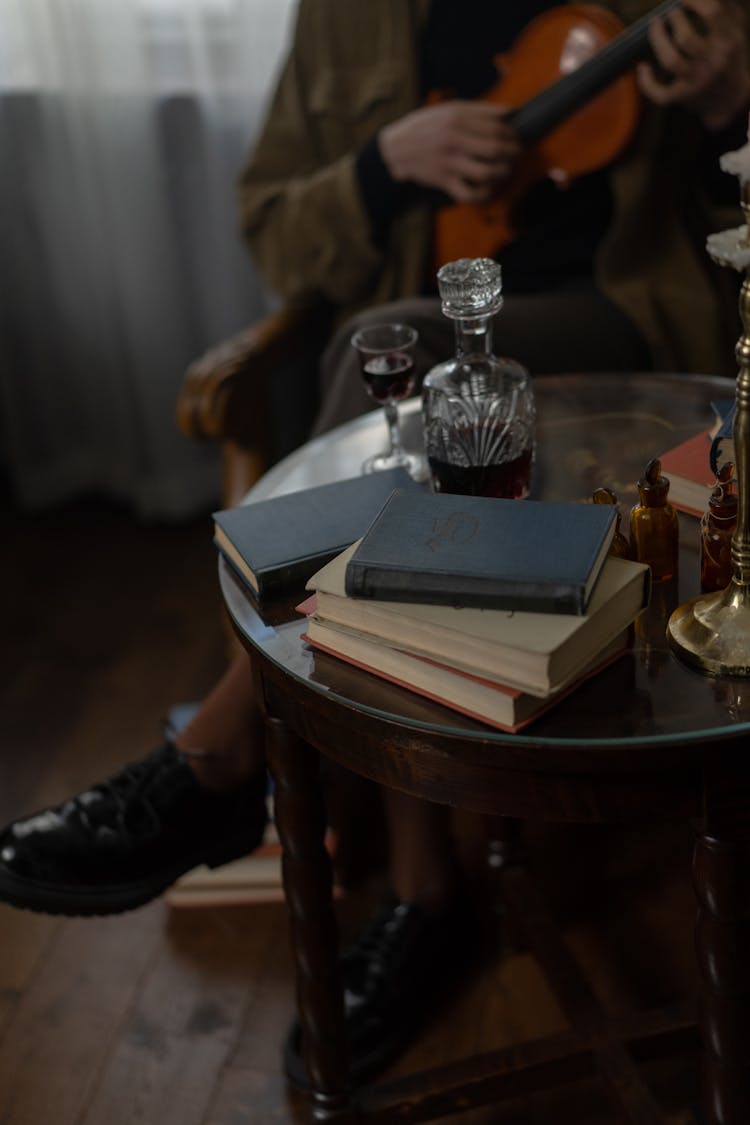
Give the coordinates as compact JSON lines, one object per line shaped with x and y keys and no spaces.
{"x":470,"y":287}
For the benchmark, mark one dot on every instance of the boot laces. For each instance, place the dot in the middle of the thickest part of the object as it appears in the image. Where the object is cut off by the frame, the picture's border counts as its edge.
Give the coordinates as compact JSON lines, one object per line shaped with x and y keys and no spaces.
{"x":127,"y":792}
{"x":382,"y":944}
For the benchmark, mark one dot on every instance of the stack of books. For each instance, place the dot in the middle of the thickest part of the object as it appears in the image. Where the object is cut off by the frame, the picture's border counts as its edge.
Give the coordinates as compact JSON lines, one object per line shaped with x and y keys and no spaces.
{"x":497,"y":608}
{"x":453,"y":622}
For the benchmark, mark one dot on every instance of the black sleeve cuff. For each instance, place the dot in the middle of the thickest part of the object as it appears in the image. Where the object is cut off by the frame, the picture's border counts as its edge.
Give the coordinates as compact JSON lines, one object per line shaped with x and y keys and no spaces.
{"x":383,"y":196}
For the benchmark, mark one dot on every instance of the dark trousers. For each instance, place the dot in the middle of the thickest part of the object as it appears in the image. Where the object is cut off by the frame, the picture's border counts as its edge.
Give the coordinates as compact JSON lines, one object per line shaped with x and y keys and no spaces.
{"x":574,"y":328}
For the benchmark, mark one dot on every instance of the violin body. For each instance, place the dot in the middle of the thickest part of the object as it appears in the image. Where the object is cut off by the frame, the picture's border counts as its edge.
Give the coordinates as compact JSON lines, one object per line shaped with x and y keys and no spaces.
{"x":537,"y":76}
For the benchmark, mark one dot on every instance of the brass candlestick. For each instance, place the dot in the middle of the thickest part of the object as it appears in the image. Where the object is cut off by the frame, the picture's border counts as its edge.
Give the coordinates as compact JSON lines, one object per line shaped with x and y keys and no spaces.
{"x":712,"y":632}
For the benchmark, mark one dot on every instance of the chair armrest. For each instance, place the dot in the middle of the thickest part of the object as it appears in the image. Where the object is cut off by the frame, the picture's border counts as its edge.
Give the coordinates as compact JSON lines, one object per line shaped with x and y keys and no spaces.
{"x":226,"y":396}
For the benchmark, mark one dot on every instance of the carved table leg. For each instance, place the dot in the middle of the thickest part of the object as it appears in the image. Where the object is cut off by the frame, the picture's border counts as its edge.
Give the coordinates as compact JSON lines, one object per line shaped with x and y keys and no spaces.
{"x":720,"y":876}
{"x":505,"y":849}
{"x":300,"y":818}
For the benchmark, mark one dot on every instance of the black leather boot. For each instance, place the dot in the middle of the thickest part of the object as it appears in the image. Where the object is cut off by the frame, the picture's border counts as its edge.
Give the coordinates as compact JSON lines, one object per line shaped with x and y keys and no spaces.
{"x":401,"y":969}
{"x":124,"y":841}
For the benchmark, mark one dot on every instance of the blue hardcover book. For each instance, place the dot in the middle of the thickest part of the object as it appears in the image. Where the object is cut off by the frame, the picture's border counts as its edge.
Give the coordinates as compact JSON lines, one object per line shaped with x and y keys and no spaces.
{"x":532,"y":555}
{"x":276,"y":544}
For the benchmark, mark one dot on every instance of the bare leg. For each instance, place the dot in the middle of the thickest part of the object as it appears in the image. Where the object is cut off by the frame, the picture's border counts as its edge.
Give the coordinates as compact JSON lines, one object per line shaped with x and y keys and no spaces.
{"x":224,"y":741}
{"x":225,"y":744}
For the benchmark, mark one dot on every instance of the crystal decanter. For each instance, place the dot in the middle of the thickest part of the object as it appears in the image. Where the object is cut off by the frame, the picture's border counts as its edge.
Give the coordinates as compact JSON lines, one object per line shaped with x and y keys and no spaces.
{"x":479,"y":413}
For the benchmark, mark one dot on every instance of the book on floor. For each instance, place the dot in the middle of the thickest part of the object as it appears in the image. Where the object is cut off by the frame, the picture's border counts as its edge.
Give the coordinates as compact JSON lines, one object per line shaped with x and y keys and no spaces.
{"x":688,"y":468}
{"x":497,"y":704}
{"x":255,"y":878}
{"x":533,"y":555}
{"x":278,"y":543}
{"x":534,"y":652}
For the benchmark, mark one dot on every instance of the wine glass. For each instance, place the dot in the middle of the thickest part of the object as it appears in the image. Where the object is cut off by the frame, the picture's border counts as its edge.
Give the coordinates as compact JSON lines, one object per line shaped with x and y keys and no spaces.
{"x":386,"y":359}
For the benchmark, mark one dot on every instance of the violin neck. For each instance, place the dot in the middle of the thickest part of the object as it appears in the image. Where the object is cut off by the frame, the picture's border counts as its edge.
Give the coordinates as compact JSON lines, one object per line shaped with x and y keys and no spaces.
{"x":549,"y":108}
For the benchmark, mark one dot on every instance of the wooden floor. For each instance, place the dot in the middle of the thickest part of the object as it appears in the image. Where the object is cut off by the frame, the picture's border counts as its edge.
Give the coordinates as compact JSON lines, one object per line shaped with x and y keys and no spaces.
{"x":176,"y":1019}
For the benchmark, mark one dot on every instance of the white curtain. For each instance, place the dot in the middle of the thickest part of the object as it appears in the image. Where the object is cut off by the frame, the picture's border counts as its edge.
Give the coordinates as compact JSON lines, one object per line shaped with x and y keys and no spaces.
{"x":123,"y":126}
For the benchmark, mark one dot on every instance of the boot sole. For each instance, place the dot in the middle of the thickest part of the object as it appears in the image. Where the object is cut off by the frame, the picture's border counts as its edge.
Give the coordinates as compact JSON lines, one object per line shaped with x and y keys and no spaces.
{"x":84,"y":902}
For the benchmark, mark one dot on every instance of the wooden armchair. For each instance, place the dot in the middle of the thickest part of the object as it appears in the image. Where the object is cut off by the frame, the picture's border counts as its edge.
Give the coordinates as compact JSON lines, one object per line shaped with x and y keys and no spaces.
{"x":256,"y":393}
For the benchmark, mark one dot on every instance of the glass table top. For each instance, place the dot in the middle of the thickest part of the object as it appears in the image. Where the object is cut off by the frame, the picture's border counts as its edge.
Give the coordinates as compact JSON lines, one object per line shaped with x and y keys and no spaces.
{"x":593,"y":430}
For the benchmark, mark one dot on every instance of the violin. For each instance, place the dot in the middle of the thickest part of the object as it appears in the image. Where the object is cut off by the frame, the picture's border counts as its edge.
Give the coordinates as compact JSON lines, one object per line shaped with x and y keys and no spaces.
{"x":575,"y":105}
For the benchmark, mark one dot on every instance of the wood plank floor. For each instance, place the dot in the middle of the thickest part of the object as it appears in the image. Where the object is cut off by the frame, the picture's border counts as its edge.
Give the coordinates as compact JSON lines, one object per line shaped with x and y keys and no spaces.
{"x":162,"y":1018}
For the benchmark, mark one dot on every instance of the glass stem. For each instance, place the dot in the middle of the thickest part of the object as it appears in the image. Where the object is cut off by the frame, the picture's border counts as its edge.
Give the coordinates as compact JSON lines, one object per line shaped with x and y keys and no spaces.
{"x":394,"y":431}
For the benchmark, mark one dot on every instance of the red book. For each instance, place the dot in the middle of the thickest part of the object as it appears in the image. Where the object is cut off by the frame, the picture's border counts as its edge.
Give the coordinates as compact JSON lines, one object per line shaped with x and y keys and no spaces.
{"x":689,"y":471}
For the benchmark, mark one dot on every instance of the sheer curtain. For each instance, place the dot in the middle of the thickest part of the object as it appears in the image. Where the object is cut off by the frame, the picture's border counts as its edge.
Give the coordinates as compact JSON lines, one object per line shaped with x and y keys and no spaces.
{"x":123,"y":125}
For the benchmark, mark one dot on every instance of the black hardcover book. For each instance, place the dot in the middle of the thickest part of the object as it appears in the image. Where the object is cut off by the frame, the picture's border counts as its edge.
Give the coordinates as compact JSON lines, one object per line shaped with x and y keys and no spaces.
{"x":277,"y":544}
{"x":532,"y":555}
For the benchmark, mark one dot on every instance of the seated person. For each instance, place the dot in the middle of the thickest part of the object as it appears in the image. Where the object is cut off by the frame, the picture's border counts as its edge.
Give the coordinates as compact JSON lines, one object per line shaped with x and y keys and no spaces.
{"x":337,"y":203}
{"x":610,"y":273}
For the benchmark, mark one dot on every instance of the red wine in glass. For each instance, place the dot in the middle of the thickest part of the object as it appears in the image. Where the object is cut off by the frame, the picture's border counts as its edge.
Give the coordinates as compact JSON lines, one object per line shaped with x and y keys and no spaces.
{"x":509,"y":479}
{"x":386,"y":362}
{"x":389,"y":377}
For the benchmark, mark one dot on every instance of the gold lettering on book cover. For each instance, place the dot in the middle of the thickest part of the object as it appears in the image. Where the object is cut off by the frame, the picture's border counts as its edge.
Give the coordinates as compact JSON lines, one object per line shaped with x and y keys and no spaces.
{"x":459,"y":527}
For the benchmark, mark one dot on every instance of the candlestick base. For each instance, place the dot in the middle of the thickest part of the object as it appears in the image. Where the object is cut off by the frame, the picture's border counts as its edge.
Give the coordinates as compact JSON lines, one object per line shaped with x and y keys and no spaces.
{"x":712,"y":632}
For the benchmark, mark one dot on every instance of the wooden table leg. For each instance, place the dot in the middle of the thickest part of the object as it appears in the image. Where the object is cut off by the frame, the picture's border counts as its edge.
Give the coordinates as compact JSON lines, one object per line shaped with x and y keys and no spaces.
{"x":301,"y":822}
{"x":721,"y":874}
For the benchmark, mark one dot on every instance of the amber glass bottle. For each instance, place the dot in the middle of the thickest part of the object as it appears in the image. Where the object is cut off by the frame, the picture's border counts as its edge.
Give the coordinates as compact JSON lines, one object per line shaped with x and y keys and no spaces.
{"x":654,"y":530}
{"x":717,"y":528}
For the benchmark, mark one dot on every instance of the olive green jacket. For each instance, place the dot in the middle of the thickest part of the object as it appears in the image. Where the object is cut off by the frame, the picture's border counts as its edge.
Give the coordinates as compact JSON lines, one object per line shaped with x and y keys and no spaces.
{"x":350,"y":71}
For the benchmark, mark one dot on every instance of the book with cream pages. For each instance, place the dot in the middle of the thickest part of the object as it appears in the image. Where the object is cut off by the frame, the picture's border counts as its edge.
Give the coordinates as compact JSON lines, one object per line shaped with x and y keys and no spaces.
{"x":533,"y":652}
{"x":498,"y":705}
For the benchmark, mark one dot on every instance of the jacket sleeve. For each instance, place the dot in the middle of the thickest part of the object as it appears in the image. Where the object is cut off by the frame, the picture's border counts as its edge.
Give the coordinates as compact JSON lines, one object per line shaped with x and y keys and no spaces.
{"x":301,"y":208}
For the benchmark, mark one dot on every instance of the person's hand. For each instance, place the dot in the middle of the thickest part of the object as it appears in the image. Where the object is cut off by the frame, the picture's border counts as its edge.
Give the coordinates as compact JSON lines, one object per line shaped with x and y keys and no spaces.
{"x":464,"y":149}
{"x":702,"y":45}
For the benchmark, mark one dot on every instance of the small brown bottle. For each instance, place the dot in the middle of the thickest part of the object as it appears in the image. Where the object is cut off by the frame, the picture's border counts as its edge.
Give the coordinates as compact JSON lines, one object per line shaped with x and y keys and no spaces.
{"x":718,"y":526}
{"x":654,"y":530}
{"x":619,"y":548}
